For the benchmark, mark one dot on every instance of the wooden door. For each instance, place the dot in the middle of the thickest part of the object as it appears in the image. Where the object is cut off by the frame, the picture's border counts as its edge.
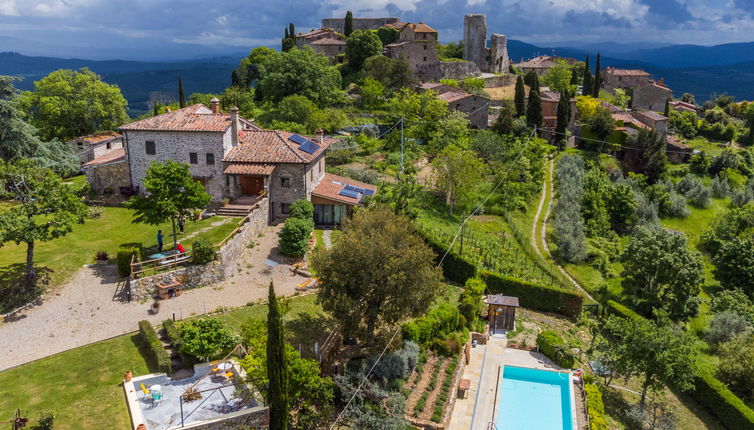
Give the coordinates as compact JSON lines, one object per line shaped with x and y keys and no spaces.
{"x":252,"y":185}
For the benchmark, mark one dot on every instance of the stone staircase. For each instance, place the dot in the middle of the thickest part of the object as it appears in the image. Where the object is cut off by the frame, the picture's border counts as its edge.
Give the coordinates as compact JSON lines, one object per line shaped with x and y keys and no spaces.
{"x":233,"y":211}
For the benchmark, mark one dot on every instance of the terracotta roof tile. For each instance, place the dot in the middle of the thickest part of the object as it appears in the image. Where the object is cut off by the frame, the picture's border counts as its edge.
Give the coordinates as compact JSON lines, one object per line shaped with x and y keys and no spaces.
{"x":628,"y":119}
{"x":191,"y":118}
{"x":453,"y":96}
{"x":421,"y":27}
{"x":328,"y":41}
{"x":249,"y":169}
{"x":96,"y":138}
{"x":111,"y":157}
{"x":331,"y":185}
{"x":541,"y":62}
{"x":626,"y":72}
{"x":548,"y":95}
{"x":672,"y":141}
{"x":272,"y":146}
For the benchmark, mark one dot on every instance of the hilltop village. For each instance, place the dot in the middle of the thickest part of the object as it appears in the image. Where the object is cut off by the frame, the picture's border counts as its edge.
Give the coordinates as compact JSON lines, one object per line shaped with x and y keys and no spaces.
{"x":372,"y":229}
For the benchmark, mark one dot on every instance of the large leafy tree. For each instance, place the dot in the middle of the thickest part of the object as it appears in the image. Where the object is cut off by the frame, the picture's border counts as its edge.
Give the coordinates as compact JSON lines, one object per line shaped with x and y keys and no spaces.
{"x":377,"y":274}
{"x":360,"y":45}
{"x":47,"y":208}
{"x":734,"y":263}
{"x":68,"y":103}
{"x":657,"y":353}
{"x":303,"y":72}
{"x":19,"y":140}
{"x":394,"y":73}
{"x":519,"y":98}
{"x":558,"y":77}
{"x":660,"y":270}
{"x":277,"y":365}
{"x":653,"y":159}
{"x":170,"y":193}
{"x":206,"y":338}
{"x":736,"y":366}
{"x":459,"y":175}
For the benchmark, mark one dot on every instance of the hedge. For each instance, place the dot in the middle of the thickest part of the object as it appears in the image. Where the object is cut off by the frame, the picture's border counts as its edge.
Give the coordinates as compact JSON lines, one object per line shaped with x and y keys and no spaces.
{"x":553,"y":346}
{"x":454,"y":267}
{"x":708,"y":391}
{"x":175,"y":341}
{"x":436,"y":324}
{"x":123,"y":257}
{"x":156,"y":353}
{"x":535,"y":296}
{"x":595,"y":408}
{"x":711,"y":393}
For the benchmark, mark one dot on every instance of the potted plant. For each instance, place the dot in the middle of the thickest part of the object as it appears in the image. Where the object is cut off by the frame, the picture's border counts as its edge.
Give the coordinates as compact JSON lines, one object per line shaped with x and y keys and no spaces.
{"x":102,"y":258}
{"x":156,"y":307}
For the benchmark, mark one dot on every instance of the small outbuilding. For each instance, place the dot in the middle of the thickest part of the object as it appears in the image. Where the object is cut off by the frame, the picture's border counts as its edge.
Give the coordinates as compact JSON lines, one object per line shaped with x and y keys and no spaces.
{"x":501,"y":312}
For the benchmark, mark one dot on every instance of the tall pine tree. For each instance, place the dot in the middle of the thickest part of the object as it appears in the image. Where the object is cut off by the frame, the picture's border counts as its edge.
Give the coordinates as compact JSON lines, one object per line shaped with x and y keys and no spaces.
{"x":520,"y":98}
{"x":292,"y":33}
{"x":587,"y":83}
{"x":181,"y":95}
{"x":597,"y":78}
{"x":348,"y":24}
{"x":564,"y":108}
{"x":156,"y":108}
{"x":666,"y":112}
{"x":234,"y":81}
{"x":504,"y":123}
{"x":534,"y":108}
{"x":277,"y":367}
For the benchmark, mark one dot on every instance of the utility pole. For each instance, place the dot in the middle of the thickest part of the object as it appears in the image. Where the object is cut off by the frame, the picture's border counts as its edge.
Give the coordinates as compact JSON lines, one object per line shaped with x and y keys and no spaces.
{"x":402,"y":118}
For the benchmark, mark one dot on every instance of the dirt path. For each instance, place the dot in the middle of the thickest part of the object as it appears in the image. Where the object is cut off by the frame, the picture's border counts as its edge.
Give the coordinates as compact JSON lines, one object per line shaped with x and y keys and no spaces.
{"x":543,"y":230}
{"x":92,"y":307}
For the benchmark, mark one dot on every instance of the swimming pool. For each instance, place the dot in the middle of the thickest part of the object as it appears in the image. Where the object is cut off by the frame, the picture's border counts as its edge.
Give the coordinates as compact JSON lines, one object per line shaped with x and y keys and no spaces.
{"x":534,"y":399}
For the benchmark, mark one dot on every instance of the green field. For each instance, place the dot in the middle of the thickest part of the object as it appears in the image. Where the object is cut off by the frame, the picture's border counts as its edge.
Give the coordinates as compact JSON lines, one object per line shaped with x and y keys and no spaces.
{"x":83,"y":385}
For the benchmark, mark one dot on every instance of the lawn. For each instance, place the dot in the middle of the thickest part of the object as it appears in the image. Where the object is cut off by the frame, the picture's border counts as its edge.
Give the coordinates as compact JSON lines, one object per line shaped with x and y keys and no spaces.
{"x":82,"y":385}
{"x":65,"y":255}
{"x":702,"y":144}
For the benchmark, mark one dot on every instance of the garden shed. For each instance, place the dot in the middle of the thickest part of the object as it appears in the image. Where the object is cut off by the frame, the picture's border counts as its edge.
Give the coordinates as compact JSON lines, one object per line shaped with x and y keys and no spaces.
{"x":502,"y":312}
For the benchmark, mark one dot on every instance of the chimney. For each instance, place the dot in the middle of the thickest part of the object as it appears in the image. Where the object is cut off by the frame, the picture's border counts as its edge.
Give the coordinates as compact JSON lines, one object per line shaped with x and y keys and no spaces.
{"x":234,"y":126}
{"x":215,"y":104}
{"x":320,"y":135}
{"x":167,"y":109}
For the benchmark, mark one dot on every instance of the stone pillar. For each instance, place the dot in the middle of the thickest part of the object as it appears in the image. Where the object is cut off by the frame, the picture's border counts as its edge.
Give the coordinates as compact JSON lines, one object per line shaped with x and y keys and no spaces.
{"x":234,"y":126}
{"x":475,"y":39}
{"x":499,"y":61}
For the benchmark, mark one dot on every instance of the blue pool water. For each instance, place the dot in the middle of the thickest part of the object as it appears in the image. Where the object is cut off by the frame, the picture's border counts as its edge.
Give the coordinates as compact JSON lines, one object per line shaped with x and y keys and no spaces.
{"x":534,"y":399}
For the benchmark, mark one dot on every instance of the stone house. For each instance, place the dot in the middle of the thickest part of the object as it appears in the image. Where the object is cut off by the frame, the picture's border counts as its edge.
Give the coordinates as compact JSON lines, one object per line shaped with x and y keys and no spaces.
{"x":96,"y":145}
{"x":475,"y":107}
{"x":680,"y":106}
{"x":613,"y":78}
{"x":339,"y":24}
{"x":107,"y":173}
{"x":651,"y":97}
{"x":646,"y":93}
{"x":196,"y":135}
{"x":290,"y":167}
{"x":540,"y":65}
{"x":417,"y":44}
{"x":677,"y":151}
{"x":325,"y":41}
{"x":653,"y":120}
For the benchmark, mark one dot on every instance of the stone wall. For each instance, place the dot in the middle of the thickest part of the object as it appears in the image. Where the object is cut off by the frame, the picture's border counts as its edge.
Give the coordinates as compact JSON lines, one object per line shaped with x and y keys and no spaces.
{"x":613,"y":81}
{"x":255,"y":418}
{"x":458,"y":69}
{"x":499,"y":61}
{"x":474,"y":109}
{"x":338,"y":24}
{"x":176,"y":146}
{"x":296,"y":175}
{"x":421,"y":55}
{"x":475,"y":39}
{"x":503,"y":80}
{"x":111,"y":175}
{"x":650,"y":97}
{"x":213,"y":272}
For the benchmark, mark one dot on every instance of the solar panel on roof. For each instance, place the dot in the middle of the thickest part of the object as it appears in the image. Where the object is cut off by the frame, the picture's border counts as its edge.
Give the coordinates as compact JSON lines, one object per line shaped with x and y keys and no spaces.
{"x":349,"y":193}
{"x":295,"y":138}
{"x":355,"y":189}
{"x":309,"y":147}
{"x":368,"y":192}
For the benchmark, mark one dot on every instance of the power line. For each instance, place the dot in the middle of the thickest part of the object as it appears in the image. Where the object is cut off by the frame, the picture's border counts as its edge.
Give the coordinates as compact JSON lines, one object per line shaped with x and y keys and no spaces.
{"x":625,"y":146}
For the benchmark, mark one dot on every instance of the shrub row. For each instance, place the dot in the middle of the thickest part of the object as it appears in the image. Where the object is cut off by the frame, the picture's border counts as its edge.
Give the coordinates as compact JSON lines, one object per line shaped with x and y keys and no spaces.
{"x":708,"y":391}
{"x":437,"y":323}
{"x":419,"y":406}
{"x":595,"y":408}
{"x":442,"y":398}
{"x":123,"y":257}
{"x":156,"y":353}
{"x":454,"y":267}
{"x":535,"y":296}
{"x":711,"y":393}
{"x":175,"y":340}
{"x":553,"y":346}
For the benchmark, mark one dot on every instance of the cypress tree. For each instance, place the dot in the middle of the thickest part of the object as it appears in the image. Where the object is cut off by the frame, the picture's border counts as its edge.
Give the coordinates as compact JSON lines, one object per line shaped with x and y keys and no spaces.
{"x":532,"y":80}
{"x":234,"y":81}
{"x":563,"y":114}
{"x":292,"y":32}
{"x":156,"y":108}
{"x":667,"y":109}
{"x":597,"y":78}
{"x":587,"y":83}
{"x":277,"y":368}
{"x":181,"y":96}
{"x":520,"y":98}
{"x":504,"y":123}
{"x":348,"y":24}
{"x":534,"y":109}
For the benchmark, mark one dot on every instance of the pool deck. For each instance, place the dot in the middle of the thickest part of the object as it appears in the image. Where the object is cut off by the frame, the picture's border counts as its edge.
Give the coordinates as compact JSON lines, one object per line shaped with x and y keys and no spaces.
{"x":478,"y":410}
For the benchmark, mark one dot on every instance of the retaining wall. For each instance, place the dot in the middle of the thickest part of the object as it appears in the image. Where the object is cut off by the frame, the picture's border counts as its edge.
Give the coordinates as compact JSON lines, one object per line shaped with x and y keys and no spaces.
{"x":458,"y":69}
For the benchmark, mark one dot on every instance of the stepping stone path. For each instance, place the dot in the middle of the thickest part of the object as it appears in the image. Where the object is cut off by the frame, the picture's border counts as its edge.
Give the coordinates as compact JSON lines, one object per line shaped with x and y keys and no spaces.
{"x":326,"y":238}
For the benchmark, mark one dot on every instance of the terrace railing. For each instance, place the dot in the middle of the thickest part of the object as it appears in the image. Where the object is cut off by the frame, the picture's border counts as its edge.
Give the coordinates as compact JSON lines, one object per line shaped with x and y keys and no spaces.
{"x":157,"y":265}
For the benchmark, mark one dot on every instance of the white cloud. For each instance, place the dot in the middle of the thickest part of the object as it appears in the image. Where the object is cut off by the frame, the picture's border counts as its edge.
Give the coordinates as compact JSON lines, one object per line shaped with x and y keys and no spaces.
{"x":8,"y":8}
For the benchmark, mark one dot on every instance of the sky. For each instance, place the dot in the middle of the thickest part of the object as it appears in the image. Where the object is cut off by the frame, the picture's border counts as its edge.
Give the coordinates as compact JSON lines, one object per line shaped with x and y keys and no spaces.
{"x":118,"y":25}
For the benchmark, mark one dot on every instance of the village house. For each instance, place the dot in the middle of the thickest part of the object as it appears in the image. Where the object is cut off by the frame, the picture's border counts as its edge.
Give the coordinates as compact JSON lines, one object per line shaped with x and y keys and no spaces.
{"x":646,"y":93}
{"x":540,"y":65}
{"x":680,"y":106}
{"x":475,"y":107}
{"x":417,"y":44}
{"x":339,"y":24}
{"x":107,"y":173}
{"x":96,"y":145}
{"x":550,"y":100}
{"x":325,"y":41}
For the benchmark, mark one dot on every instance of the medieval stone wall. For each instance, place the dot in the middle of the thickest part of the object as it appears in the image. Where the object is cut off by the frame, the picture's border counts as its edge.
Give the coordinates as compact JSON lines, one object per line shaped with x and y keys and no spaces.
{"x":475,"y":39}
{"x":611,"y":81}
{"x":108,"y":176}
{"x":650,"y":97}
{"x":458,"y":69}
{"x":421,"y":56}
{"x":176,"y":146}
{"x":499,"y":62}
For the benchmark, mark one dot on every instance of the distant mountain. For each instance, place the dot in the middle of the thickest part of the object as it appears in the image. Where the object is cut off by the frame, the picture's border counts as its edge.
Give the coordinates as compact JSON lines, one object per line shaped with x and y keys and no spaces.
{"x":684,"y":56}
{"x":136,"y":79}
{"x":609,"y":48}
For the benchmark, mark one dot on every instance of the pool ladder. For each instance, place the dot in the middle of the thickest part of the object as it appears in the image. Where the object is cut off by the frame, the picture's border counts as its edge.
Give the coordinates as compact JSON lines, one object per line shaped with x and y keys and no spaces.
{"x":491,"y":426}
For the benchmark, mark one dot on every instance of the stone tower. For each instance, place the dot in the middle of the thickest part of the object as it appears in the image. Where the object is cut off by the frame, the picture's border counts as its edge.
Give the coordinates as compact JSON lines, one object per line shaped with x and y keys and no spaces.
{"x":499,"y":61}
{"x":475,"y":40}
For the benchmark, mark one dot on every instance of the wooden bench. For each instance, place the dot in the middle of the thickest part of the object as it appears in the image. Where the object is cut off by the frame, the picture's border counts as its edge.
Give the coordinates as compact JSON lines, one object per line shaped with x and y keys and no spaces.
{"x":166,"y":291}
{"x":173,"y":259}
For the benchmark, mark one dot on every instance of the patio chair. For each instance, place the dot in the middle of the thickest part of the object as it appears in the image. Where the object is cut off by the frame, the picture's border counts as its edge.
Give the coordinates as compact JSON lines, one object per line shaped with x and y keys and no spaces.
{"x":156,"y":397}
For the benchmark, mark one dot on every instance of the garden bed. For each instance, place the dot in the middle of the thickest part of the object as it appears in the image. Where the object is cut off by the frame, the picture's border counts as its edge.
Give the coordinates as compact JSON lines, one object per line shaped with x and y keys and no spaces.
{"x":431,"y":388}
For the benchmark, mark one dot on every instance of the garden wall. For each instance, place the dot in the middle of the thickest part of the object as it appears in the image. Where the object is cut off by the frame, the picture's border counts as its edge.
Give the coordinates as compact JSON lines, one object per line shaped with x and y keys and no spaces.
{"x":458,"y":69}
{"x":254,"y":418}
{"x":213,"y":272}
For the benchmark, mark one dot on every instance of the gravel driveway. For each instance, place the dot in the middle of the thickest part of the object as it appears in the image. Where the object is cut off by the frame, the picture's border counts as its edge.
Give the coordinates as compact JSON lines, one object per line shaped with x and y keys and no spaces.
{"x":90,"y":307}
